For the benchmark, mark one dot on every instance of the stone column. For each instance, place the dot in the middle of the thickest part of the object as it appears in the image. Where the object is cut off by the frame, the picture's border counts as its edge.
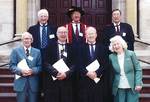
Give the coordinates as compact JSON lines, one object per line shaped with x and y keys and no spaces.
{"x":131,"y":14}
{"x":33,"y":8}
{"x":21,"y":16}
{"x":120,"y":4}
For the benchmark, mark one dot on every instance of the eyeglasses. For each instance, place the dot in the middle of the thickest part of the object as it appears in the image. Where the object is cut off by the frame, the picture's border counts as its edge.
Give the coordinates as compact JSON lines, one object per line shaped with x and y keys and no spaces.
{"x":64,"y":32}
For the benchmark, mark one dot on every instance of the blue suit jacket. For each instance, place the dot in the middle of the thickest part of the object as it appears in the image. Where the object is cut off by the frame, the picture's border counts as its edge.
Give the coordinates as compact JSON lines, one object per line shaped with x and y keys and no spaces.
{"x":132,"y":70}
{"x":16,"y":56}
{"x":126,"y":33}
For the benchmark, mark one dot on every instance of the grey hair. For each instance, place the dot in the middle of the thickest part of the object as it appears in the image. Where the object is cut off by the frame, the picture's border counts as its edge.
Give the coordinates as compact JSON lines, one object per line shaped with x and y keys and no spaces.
{"x":89,"y":28}
{"x":121,"y":41}
{"x":43,"y":11}
{"x":26,"y":33}
{"x":61,"y":28}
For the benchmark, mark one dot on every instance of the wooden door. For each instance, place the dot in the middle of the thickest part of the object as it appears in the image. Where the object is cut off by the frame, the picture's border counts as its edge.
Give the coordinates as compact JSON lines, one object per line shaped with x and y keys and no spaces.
{"x":97,"y":12}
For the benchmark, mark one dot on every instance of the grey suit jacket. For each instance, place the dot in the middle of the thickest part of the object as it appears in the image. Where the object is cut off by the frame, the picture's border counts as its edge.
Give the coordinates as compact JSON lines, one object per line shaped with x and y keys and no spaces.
{"x":132,"y":70}
{"x":35,"y":64}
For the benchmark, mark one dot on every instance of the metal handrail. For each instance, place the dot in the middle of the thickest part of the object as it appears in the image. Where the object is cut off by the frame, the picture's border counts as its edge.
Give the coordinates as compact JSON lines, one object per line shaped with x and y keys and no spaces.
{"x":8,"y":42}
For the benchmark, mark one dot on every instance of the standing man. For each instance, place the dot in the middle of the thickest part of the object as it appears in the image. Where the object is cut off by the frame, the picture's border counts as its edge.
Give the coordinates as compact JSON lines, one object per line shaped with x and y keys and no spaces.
{"x":59,"y":90}
{"x":43,"y":34}
{"x":76,"y":29}
{"x":118,"y":28}
{"x":89,"y":90}
{"x":76,"y":37}
{"x":26,"y":83}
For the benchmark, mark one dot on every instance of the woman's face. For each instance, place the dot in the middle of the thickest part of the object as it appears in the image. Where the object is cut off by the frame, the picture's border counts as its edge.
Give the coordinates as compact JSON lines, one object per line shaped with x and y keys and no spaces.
{"x":117,"y":47}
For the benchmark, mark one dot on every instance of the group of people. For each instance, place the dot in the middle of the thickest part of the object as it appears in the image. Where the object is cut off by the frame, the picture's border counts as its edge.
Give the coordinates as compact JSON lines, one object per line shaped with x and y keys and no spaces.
{"x":97,"y":71}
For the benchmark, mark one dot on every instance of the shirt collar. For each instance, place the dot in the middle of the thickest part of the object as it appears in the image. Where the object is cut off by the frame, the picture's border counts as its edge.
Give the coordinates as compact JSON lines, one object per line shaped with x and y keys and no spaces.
{"x":27,"y":48}
{"x":116,"y":24}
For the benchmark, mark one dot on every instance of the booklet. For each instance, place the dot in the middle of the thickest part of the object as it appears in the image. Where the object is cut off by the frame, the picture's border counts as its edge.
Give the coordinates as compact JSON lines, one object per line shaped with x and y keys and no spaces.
{"x":22,"y":65}
{"x":60,"y":66}
{"x":93,"y":67}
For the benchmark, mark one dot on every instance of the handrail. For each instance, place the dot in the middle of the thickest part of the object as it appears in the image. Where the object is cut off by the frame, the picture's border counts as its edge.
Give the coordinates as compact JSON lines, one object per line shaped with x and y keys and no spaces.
{"x":2,"y":65}
{"x":10,"y":42}
{"x":140,"y":41}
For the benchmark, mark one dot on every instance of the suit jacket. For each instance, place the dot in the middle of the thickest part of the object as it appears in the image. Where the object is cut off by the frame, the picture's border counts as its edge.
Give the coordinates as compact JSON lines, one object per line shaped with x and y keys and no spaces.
{"x":35,"y":31}
{"x":132,"y":70}
{"x":126,"y":33}
{"x":52,"y":56}
{"x":35,"y":64}
{"x":72,"y":37}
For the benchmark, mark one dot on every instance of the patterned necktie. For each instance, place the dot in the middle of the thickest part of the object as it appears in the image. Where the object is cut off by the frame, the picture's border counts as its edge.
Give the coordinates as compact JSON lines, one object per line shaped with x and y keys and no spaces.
{"x":62,"y":50}
{"x":77,"y":31}
{"x":117,"y":30}
{"x":27,"y":52}
{"x":44,"y":37}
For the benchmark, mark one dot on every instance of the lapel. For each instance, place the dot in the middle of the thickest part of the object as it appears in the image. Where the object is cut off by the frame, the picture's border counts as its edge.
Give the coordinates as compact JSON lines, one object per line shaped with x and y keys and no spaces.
{"x":116,"y":63}
{"x":38,"y":36}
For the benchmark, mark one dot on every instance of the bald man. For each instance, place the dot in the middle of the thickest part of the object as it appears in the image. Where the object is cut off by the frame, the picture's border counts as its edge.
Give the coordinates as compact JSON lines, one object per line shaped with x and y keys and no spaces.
{"x":27,"y":84}
{"x":59,"y":90}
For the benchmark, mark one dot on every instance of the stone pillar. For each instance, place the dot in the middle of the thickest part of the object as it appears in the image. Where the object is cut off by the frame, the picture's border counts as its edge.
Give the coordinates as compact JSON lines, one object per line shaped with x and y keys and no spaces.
{"x":33,"y":8}
{"x":144,"y":20}
{"x":131,"y":14}
{"x":120,"y":4}
{"x":21,"y":16}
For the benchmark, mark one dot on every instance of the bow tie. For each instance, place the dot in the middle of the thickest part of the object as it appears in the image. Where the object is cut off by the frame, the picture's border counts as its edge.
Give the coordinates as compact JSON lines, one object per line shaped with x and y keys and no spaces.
{"x":61,"y":44}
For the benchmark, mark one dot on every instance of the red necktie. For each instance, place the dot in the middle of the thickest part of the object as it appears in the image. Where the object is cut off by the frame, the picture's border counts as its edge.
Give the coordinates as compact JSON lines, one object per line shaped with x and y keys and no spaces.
{"x":77,"y":31}
{"x":117,"y":31}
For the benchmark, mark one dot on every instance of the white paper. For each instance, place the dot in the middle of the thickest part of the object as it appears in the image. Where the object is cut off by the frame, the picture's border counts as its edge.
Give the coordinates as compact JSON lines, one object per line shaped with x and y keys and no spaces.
{"x":23,"y":66}
{"x":93,"y":67}
{"x":60,"y":66}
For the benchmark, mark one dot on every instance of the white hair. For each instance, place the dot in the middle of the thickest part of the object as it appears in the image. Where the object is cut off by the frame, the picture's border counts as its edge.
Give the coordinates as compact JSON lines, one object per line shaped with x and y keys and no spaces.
{"x":61,"y":27}
{"x":26,"y":33}
{"x":120,"y":40}
{"x":42,"y":11}
{"x":90,"y":28}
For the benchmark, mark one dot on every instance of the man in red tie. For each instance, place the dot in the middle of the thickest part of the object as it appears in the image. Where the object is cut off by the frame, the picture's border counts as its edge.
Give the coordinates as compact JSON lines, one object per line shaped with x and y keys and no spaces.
{"x":76,"y":29}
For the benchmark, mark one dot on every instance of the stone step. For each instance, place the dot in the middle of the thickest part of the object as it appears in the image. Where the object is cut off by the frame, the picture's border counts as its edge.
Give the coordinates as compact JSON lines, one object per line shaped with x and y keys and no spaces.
{"x":7,"y":97}
{"x":146,"y":79}
{"x":144,"y":97}
{"x":146,"y":88}
{"x":6,"y":78}
{"x":6,"y":87}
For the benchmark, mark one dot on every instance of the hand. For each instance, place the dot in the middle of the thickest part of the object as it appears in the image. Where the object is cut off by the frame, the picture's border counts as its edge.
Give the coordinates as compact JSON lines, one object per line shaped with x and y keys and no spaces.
{"x":138,"y":88}
{"x":26,"y":72}
{"x":91,"y":75}
{"x":61,"y":76}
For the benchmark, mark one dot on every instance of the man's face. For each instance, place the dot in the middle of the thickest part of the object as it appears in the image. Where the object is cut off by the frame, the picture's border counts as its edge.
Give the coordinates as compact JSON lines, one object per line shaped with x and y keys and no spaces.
{"x":76,"y":16}
{"x":62,"y":34}
{"x":91,"y":35}
{"x":27,"y":40}
{"x":43,"y":18}
{"x":116,"y":16}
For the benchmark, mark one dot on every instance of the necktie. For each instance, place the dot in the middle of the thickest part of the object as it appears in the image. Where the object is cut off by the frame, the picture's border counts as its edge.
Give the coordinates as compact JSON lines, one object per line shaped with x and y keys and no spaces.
{"x":62,"y":51}
{"x":44,"y":37}
{"x":117,"y":30}
{"x":27,"y":52}
{"x":77,"y":31}
{"x":92,"y":52}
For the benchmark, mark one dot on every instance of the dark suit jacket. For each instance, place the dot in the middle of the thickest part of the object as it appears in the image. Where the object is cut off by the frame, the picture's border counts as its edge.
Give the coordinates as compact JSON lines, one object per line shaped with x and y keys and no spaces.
{"x":35,"y":31}
{"x":16,"y":56}
{"x":90,"y":91}
{"x":126,"y":33}
{"x":58,"y":90}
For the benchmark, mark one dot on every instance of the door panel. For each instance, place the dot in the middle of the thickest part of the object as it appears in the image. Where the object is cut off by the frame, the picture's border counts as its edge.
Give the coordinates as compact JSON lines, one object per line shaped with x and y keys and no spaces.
{"x":97,"y":12}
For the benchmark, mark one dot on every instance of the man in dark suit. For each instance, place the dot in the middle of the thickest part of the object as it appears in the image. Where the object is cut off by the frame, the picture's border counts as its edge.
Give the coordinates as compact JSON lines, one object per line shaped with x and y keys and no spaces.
{"x":59,"y":90}
{"x":118,"y":28}
{"x":89,"y":89}
{"x":43,"y":34}
{"x":26,"y":82}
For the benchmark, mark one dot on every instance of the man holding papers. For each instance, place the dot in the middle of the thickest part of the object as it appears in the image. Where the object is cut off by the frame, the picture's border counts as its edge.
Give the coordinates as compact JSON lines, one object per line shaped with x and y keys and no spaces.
{"x":59,"y":69}
{"x":25,"y":62}
{"x":94,"y":59}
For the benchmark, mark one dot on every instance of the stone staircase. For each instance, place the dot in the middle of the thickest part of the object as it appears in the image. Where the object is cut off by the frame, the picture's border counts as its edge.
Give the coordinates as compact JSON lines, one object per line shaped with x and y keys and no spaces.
{"x":6,"y":77}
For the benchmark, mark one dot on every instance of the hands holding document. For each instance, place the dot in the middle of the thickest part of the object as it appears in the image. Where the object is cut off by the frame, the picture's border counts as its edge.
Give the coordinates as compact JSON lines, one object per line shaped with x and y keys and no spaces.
{"x":25,"y":70}
{"x":61,"y":67}
{"x":91,"y":71}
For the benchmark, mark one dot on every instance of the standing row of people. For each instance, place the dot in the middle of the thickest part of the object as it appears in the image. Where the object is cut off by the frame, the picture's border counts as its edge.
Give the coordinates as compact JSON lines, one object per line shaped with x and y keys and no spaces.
{"x":75,"y":43}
